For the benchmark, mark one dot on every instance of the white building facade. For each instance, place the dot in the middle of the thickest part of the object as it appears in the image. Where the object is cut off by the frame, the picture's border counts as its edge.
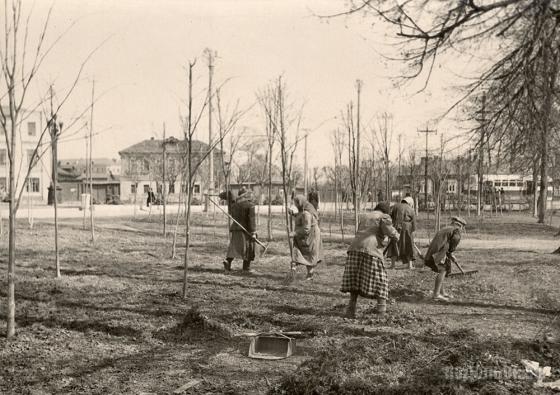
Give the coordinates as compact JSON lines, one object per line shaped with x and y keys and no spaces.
{"x":30,"y":127}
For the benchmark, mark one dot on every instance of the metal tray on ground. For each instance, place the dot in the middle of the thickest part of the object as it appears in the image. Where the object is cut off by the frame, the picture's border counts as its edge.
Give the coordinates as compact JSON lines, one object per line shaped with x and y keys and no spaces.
{"x":271,"y":345}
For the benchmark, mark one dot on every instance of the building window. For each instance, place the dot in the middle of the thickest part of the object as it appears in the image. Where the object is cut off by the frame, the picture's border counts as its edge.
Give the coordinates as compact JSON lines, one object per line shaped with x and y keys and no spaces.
{"x":133,"y":188}
{"x":451,"y":188}
{"x":31,"y":129}
{"x":3,"y":184}
{"x":196,"y":189}
{"x":512,"y":183}
{"x":146,"y":188}
{"x":520,"y":183}
{"x":31,"y":157}
{"x":146,"y":165}
{"x":33,"y":183}
{"x":171,"y":187}
{"x":498,"y":183}
{"x":2,"y":157}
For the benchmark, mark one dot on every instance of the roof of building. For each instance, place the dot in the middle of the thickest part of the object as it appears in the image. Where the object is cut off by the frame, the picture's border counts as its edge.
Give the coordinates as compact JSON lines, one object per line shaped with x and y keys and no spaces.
{"x":154,"y":146}
{"x":80,"y":163}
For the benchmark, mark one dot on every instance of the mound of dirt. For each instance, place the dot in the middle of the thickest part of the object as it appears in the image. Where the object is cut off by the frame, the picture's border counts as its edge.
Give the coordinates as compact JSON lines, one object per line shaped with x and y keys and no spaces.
{"x":195,"y":326}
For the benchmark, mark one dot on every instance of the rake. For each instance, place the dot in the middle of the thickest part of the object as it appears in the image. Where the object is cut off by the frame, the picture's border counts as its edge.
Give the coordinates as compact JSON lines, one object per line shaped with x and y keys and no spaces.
{"x":463,"y":273}
{"x":265,"y":247}
{"x":456,"y":274}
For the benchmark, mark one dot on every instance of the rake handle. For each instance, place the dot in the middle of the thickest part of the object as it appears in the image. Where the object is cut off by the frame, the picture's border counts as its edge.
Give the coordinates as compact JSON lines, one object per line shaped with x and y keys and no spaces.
{"x":456,"y":264}
{"x":238,"y":224}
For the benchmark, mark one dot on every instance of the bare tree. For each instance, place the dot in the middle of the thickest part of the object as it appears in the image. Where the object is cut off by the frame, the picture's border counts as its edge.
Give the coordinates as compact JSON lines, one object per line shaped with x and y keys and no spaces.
{"x":19,"y":67}
{"x":227,"y":125}
{"x":519,"y":40}
{"x":383,"y":135}
{"x":194,"y":159}
{"x":286,"y":122}
{"x":338,"y":144}
{"x":350,"y":125}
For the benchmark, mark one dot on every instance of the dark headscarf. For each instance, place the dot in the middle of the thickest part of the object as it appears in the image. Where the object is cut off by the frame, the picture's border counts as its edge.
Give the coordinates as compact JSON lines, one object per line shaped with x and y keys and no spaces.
{"x":303,"y":205}
{"x":384,"y":207}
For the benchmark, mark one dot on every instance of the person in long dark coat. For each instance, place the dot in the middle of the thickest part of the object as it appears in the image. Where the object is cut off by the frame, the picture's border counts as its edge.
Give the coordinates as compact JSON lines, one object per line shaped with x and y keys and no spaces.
{"x":313,"y":198}
{"x":307,"y":236}
{"x":364,"y":272}
{"x":440,"y":254}
{"x":404,"y":221}
{"x":242,"y":241}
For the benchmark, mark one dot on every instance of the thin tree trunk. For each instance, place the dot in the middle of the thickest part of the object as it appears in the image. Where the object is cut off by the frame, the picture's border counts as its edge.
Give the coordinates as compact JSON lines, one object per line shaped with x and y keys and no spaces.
{"x":11,"y":317}
{"x":187,"y":238}
{"x":269,"y":222}
{"x":552,"y":77}
{"x":177,"y":219}
{"x":535,"y":191}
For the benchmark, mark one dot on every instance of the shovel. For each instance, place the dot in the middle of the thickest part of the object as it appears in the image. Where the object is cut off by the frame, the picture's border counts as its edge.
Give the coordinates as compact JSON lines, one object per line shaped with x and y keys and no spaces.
{"x":265,"y":247}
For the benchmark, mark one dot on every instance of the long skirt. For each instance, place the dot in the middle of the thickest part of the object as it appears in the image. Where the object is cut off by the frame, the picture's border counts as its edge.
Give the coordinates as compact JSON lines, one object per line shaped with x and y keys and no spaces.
{"x":404,"y":248}
{"x":365,"y":275}
{"x":308,"y":250}
{"x":241,"y":246}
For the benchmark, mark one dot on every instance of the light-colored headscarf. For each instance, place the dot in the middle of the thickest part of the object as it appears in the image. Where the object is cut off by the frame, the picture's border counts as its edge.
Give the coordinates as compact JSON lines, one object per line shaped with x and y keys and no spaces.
{"x":303,"y":205}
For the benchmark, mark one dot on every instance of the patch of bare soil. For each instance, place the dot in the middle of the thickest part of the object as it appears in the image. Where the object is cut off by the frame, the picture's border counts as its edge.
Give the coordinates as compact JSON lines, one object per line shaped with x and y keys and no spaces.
{"x":116,"y":322}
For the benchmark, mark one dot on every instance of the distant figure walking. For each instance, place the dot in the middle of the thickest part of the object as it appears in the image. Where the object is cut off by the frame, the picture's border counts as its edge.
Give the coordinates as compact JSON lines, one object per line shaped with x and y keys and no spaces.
{"x":307,"y":236}
{"x":440,"y":254}
{"x":242,"y":242}
{"x":151,"y":198}
{"x":364,"y":273}
{"x":313,"y":198}
{"x":404,"y":221}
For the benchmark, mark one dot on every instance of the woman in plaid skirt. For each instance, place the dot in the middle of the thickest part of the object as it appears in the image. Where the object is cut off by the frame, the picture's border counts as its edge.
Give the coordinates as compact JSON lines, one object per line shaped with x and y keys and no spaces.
{"x":364,"y":273}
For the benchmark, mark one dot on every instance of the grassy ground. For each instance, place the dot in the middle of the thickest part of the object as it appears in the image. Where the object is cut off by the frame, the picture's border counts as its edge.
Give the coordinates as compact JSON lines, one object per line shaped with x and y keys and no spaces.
{"x":116,"y":323}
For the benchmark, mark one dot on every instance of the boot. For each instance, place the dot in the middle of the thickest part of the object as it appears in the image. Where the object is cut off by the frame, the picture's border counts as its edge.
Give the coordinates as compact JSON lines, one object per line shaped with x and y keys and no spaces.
{"x":351,"y":310}
{"x":381,"y":307}
{"x":310,"y":273}
{"x":247,"y":267}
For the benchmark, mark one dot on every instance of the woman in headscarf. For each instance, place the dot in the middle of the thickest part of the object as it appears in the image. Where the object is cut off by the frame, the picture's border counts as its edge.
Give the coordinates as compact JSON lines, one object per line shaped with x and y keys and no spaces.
{"x":364,"y":272}
{"x":307,"y":236}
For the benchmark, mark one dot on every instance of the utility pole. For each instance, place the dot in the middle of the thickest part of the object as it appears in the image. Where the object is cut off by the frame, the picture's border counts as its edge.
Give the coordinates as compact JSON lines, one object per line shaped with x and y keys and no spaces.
{"x":400,"y":177}
{"x":210,"y":55}
{"x":426,"y":132}
{"x":357,"y":171}
{"x":480,"y":195}
{"x":90,"y":163}
{"x":55,"y":130}
{"x":84,"y":184}
{"x":163,"y":183}
{"x":305,"y":179}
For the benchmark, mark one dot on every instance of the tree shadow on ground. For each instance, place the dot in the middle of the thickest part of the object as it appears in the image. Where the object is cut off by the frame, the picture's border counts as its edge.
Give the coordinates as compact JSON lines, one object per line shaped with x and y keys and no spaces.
{"x":232,"y":273}
{"x":471,"y":303}
{"x":267,"y":287}
{"x":83,"y":326}
{"x":302,"y":311}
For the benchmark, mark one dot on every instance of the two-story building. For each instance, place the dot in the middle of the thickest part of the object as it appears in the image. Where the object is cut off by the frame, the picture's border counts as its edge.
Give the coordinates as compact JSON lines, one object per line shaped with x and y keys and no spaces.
{"x":30,"y":128}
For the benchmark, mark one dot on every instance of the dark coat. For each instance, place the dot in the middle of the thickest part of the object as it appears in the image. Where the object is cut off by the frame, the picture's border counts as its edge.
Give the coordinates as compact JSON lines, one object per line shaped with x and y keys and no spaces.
{"x":404,"y":220}
{"x":401,"y":213}
{"x":313,"y":198}
{"x":243,"y":211}
{"x":241,"y":244}
{"x":443,"y":244}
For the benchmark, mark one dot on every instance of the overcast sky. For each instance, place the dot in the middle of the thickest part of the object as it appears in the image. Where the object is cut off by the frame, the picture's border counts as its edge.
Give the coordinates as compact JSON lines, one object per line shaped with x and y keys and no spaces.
{"x":140,"y":78}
